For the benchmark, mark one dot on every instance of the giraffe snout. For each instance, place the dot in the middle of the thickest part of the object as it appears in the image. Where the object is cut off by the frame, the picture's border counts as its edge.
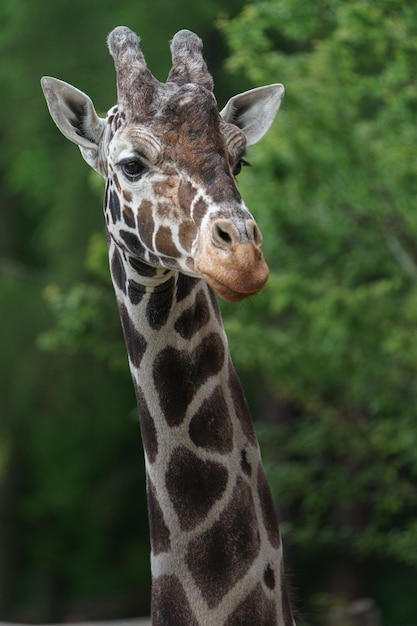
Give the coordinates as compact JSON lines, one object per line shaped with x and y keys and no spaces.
{"x":231,"y":259}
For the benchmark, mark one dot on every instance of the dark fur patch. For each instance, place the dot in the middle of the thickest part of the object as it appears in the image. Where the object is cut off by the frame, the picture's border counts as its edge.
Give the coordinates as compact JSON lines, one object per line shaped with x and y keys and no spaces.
{"x":164,"y":243}
{"x":127,"y":195}
{"x":244,"y":463}
{"x":132,"y":243}
{"x":135,"y":343}
{"x":160,"y":304}
{"x":146,"y":223}
{"x":268,"y":511}
{"x":193,"y":318}
{"x":159,"y":531}
{"x":143,"y":269}
{"x":178,"y":375}
{"x":211,"y":426}
{"x":185,"y":286}
{"x":128,"y":216}
{"x":194,"y":486}
{"x":256,"y":609}
{"x":269,"y":577}
{"x":186,"y":195}
{"x":117,"y":183}
{"x":208,"y":359}
{"x":114,"y":206}
{"x":187,"y":232}
{"x":135,"y":291}
{"x":200,"y":209}
{"x":171,"y":371}
{"x":147,"y":426}
{"x":222,"y":555}
{"x":170,"y":606}
{"x":118,"y":270}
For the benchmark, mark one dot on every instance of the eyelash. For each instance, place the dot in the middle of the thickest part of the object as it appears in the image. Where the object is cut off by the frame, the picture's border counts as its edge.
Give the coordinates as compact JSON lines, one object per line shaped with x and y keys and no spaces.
{"x":241,"y":163}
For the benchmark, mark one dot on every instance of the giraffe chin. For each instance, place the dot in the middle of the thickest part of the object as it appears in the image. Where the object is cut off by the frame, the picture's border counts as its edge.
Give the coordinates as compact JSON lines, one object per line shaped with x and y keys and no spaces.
{"x":229,"y":294}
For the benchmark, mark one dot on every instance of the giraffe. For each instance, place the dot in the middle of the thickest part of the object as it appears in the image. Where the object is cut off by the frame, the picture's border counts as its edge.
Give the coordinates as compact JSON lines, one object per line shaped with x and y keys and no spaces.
{"x":178,"y":232}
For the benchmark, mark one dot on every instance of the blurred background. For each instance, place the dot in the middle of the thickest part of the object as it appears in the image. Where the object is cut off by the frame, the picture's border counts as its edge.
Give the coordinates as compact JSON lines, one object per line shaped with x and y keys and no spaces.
{"x":327,"y":353}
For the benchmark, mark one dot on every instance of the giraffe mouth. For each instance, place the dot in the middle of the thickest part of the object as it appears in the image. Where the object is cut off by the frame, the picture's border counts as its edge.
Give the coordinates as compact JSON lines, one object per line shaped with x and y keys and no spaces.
{"x":228,"y":293}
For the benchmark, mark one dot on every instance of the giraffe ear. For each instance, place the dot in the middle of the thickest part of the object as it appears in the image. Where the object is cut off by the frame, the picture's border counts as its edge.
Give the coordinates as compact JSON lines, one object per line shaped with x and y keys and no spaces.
{"x":254,"y":111}
{"x":74,"y":114}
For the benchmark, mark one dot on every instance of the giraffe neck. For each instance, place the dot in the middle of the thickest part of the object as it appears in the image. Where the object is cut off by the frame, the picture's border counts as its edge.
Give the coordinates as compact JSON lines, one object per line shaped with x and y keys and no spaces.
{"x":216,"y":551}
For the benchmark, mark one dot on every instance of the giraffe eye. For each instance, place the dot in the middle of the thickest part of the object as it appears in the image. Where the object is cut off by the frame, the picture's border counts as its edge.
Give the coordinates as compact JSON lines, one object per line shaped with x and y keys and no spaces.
{"x":238,"y":167}
{"x":132,"y":169}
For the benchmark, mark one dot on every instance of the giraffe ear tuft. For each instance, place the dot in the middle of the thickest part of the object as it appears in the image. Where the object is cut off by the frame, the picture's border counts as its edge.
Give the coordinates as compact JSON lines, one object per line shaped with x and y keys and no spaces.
{"x":254,"y":111}
{"x":74,"y":114}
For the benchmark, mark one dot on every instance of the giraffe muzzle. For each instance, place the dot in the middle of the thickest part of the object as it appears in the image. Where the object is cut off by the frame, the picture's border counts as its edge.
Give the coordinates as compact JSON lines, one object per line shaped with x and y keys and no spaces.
{"x":231,"y":259}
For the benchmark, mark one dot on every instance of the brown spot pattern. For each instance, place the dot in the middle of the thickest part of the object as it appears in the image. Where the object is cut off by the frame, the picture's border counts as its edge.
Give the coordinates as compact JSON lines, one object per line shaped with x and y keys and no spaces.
{"x":159,"y":531}
{"x":132,"y":243}
{"x":269,"y":577}
{"x":147,"y":426}
{"x":135,"y":342}
{"x":211,"y":427}
{"x":187,"y":232}
{"x":146,"y":224}
{"x":127,"y":195}
{"x":135,"y":291}
{"x":200,"y":209}
{"x":222,"y":555}
{"x":170,"y":606}
{"x":118,"y":270}
{"x":186,"y":195}
{"x":128,"y":216}
{"x":255,"y":610}
{"x":143,"y":269}
{"x":193,"y":318}
{"x":194,"y":486}
{"x":178,"y":375}
{"x":159,"y":305}
{"x":117,"y":183}
{"x":164,"y":243}
{"x":185,"y":286}
{"x":244,"y":463}
{"x":114,"y":206}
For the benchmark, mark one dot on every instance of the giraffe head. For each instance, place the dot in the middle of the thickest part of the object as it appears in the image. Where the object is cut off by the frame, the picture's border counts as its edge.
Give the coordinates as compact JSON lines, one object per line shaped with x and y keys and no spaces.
{"x":170,"y":160}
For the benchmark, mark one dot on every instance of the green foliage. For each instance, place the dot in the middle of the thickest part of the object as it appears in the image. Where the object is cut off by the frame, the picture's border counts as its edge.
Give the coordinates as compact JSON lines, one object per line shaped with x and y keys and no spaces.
{"x":86,"y":315}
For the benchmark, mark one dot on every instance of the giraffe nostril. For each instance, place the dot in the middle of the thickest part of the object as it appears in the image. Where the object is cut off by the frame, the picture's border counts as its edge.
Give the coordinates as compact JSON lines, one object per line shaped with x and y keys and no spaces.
{"x":254,"y":234}
{"x":223,"y":234}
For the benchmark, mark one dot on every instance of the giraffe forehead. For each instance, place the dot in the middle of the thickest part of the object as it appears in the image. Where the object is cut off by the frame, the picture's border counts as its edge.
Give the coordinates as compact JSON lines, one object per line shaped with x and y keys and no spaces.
{"x":193,"y":115}
{"x":135,"y":139}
